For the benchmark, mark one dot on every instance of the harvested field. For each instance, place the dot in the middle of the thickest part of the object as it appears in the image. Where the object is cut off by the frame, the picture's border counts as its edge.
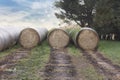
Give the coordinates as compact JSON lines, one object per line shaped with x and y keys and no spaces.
{"x":63,"y":64}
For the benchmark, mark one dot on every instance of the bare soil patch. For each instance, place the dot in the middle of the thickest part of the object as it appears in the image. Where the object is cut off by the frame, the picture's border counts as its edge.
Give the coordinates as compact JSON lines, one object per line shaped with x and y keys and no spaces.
{"x":111,"y":71}
{"x":60,"y":66}
{"x":7,"y":64}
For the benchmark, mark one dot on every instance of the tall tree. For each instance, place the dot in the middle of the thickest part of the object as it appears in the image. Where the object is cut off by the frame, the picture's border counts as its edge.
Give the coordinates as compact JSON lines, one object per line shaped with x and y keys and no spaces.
{"x":107,"y":17}
{"x":116,"y":19}
{"x":104,"y":15}
{"x":81,"y":11}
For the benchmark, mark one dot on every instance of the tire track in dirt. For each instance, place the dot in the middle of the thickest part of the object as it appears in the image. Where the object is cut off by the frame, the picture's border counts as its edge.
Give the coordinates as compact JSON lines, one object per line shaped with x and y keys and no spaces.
{"x":111,"y":71}
{"x":9,"y":61}
{"x":60,"y":66}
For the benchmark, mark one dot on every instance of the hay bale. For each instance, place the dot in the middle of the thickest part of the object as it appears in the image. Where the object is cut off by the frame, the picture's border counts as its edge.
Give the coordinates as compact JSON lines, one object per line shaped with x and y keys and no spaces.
{"x":84,"y":38}
{"x":30,"y":37}
{"x":88,"y":39}
{"x":73,"y":32}
{"x":58,"y":38}
{"x":13,"y":31}
{"x":5,"y":39}
{"x":8,"y":36}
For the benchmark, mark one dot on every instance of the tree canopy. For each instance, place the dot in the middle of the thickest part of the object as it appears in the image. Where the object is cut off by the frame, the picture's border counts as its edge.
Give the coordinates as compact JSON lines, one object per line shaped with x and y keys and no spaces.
{"x":77,"y":10}
{"x":102,"y":15}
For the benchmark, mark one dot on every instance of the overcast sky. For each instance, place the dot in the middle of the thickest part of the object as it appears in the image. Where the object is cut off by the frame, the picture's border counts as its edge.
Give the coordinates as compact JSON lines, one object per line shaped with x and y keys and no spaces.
{"x":28,"y":13}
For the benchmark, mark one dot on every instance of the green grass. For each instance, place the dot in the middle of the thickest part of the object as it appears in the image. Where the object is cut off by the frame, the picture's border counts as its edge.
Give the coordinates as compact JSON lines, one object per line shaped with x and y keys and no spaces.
{"x":111,"y":50}
{"x":73,"y":50}
{"x":28,"y":69}
{"x":85,"y":69}
{"x":8,"y":51}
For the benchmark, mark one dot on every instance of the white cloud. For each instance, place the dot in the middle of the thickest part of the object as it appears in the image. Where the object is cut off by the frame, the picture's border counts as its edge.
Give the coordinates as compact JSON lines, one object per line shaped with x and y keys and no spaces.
{"x":36,"y":4}
{"x":39,"y":5}
{"x":22,"y":2}
{"x":42,"y":20}
{"x":46,"y":23}
{"x":11,"y":18}
{"x":17,"y":19}
{"x":5,"y":10}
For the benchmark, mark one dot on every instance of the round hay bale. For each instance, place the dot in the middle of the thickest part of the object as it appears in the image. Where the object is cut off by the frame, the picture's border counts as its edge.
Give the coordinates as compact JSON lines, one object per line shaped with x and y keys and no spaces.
{"x":87,"y":39}
{"x":30,"y":37}
{"x":5,"y":39}
{"x":13,"y":31}
{"x":58,"y":38}
{"x":9,"y":36}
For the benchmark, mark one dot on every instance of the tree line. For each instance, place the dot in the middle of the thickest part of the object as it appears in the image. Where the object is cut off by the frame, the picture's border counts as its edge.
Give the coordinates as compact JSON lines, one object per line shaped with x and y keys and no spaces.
{"x":102,"y":15}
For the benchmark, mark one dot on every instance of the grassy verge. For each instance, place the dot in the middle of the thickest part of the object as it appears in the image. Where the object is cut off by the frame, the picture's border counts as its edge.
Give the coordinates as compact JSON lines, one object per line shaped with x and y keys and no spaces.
{"x":8,"y":51}
{"x":85,"y":70}
{"x":29,"y":69}
{"x":111,"y":50}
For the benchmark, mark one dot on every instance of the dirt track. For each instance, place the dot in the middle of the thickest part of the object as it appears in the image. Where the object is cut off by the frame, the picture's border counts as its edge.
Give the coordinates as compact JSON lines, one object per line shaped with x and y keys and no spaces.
{"x":111,"y":71}
{"x":7,"y":63}
{"x":60,"y":66}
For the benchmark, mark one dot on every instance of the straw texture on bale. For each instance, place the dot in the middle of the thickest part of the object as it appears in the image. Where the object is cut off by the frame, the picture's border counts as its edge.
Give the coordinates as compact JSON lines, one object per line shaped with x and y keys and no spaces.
{"x":30,"y":37}
{"x":85,"y":38}
{"x":58,"y":38}
{"x":88,"y":39}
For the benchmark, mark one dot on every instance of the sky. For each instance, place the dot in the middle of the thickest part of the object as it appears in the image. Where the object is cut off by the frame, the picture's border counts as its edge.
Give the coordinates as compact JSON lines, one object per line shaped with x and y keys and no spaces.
{"x":38,"y":13}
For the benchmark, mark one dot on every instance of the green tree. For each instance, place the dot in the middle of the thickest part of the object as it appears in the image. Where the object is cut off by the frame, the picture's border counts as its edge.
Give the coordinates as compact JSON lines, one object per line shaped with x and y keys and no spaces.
{"x":107,"y":17}
{"x":102,"y":15}
{"x":81,"y":11}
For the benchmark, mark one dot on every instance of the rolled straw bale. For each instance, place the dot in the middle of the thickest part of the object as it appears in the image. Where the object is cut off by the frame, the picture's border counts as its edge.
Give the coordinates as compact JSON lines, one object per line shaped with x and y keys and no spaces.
{"x":5,"y":39}
{"x":8,"y":36}
{"x":85,"y":38}
{"x":58,"y":38}
{"x":88,"y":39}
{"x":30,"y":37}
{"x":13,"y":31}
{"x":73,"y":33}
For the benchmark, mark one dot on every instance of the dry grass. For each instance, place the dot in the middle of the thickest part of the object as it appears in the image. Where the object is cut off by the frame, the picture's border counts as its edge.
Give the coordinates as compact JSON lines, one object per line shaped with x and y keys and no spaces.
{"x":29,"y":38}
{"x":58,"y":38}
{"x":88,"y":39}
